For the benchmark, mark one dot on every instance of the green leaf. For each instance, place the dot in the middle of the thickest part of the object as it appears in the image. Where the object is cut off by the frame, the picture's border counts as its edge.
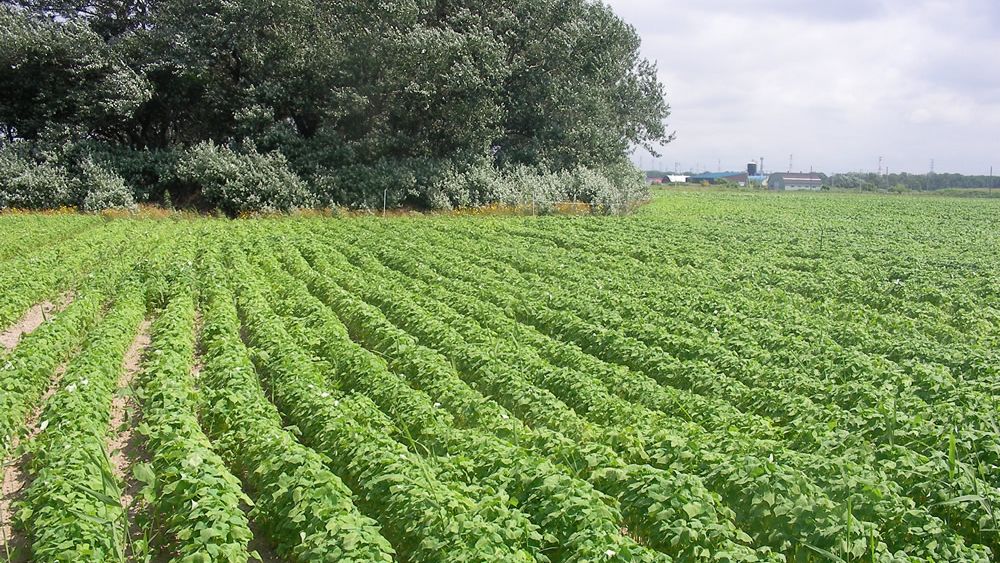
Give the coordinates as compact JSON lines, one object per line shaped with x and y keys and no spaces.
{"x":143,"y":472}
{"x":693,"y":509}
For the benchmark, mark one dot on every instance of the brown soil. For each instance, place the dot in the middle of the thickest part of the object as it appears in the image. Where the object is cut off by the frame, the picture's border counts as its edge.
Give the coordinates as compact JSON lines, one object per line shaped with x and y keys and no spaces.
{"x":125,"y":444}
{"x":262,"y":546}
{"x":14,"y":544}
{"x":199,"y":325}
{"x":31,"y":320}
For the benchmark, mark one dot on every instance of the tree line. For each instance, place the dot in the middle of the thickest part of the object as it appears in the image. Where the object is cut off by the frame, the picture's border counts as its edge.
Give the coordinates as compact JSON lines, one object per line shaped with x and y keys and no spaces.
{"x":910,"y":182}
{"x":272,"y":104}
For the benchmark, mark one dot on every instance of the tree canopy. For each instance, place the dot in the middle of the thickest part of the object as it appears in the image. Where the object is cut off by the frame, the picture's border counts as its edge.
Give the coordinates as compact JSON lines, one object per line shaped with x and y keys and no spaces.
{"x":358,"y":98}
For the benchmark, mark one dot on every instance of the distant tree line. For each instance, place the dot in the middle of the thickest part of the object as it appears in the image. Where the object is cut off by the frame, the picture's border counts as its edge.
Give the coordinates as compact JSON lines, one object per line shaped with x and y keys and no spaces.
{"x":910,"y":182}
{"x":272,"y":104}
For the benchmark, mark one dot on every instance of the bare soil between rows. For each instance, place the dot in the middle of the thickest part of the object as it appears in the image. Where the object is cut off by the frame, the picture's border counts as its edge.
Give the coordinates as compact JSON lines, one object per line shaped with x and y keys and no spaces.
{"x":125,"y":445}
{"x":32,"y":319}
{"x":14,"y":543}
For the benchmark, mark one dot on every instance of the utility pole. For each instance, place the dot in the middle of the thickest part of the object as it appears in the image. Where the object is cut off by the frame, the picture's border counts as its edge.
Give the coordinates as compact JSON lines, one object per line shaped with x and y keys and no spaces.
{"x":791,"y":163}
{"x":991,"y":181}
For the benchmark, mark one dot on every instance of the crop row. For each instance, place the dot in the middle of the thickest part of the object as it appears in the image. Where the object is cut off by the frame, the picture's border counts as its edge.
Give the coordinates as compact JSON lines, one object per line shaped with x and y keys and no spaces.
{"x":947,"y":421}
{"x":25,"y":374}
{"x":194,"y":500}
{"x":302,"y":507}
{"x":889,"y":279}
{"x":891,"y":334}
{"x":883,"y":508}
{"x":911,"y":471}
{"x":70,"y":469}
{"x":929,"y":475}
{"x":27,"y":280}
{"x":507,"y":385}
{"x":566,"y":508}
{"x":26,"y":234}
{"x":424,"y":518}
{"x":850,"y":375}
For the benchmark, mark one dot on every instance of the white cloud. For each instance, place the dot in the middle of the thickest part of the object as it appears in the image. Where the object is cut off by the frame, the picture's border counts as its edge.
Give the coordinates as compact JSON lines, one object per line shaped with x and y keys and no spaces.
{"x":837,"y":84}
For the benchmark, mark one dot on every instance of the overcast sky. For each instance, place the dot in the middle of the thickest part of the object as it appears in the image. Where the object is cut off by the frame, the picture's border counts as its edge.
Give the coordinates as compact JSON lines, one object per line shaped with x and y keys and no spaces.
{"x":837,"y":83}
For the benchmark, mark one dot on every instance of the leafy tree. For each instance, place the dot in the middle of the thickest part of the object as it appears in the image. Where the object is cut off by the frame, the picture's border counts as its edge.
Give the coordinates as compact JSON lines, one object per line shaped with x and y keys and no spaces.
{"x":578,"y":93}
{"x":60,"y":78}
{"x":345,"y":91}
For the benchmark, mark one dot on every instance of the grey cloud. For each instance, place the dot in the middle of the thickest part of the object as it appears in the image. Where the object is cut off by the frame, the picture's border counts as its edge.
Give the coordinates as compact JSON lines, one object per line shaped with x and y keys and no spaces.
{"x":836,"y":83}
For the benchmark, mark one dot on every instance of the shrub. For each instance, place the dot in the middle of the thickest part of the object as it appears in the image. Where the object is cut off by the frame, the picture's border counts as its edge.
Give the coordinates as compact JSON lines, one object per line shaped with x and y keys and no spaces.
{"x":242,"y":182}
{"x":451,"y":187}
{"x":148,"y":173}
{"x":629,"y":184}
{"x":363,"y":186}
{"x":422,"y":183}
{"x":594,"y":188}
{"x":104,"y":189}
{"x":26,"y":184}
{"x":97,"y":176}
{"x":612,"y":190}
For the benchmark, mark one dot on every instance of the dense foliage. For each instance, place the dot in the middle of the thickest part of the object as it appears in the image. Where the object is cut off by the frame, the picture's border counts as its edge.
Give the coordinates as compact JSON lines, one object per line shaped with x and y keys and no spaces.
{"x":410,"y":102}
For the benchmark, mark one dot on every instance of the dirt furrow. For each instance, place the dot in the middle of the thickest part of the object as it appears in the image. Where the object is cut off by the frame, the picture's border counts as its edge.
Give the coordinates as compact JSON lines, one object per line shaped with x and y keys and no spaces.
{"x":31,"y":320}
{"x":125,"y":445}
{"x":262,"y":546}
{"x":14,"y":543}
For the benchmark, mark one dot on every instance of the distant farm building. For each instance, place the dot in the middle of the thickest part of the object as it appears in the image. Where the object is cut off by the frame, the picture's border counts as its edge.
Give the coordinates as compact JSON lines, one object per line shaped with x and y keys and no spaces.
{"x":668,"y":179}
{"x":755,"y":174}
{"x":788,"y":182}
{"x":720,"y":178}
